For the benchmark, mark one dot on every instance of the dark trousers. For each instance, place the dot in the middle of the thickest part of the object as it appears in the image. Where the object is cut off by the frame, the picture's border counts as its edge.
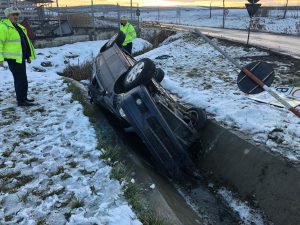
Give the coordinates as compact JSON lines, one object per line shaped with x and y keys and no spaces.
{"x":128,"y":48}
{"x":20,"y":78}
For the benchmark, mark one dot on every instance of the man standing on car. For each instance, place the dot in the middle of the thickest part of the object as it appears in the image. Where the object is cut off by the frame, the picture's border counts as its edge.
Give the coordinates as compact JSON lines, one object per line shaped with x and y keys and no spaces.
{"x":129,"y":32}
{"x":16,"y":48}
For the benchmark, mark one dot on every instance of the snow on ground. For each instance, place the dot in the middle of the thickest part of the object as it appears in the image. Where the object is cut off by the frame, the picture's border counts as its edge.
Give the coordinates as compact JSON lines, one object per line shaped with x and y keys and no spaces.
{"x":140,"y":44}
{"x":236,"y":18}
{"x":50,"y":169}
{"x":201,"y":76}
{"x":248,"y":215}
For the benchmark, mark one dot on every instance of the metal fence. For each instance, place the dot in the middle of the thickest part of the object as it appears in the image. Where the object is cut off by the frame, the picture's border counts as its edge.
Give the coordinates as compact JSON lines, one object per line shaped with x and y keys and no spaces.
{"x":236,"y":18}
{"x":107,"y":16}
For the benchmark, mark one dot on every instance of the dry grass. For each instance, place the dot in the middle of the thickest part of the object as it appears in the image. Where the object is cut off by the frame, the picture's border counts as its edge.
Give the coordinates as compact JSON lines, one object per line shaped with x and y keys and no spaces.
{"x":77,"y":19}
{"x":78,"y":72}
{"x":263,"y":12}
{"x":298,"y":27}
{"x":142,"y":51}
{"x":257,"y":25}
{"x":158,"y":37}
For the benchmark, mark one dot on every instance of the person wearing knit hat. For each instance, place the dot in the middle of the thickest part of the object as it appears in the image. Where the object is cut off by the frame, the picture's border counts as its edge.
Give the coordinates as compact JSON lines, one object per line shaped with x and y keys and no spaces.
{"x":11,"y":10}
{"x":16,"y":49}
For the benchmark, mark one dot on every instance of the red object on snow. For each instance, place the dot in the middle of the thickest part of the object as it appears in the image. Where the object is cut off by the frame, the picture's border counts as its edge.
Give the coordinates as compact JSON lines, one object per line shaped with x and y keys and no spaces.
{"x":30,"y":33}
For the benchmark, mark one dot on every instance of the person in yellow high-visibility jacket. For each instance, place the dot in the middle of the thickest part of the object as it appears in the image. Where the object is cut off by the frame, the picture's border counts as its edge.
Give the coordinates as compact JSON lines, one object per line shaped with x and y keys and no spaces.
{"x":15,"y":49}
{"x":129,"y":32}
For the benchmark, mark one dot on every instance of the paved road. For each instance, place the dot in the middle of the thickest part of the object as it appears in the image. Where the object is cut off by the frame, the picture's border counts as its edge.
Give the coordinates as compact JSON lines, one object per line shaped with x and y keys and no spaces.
{"x":284,"y":44}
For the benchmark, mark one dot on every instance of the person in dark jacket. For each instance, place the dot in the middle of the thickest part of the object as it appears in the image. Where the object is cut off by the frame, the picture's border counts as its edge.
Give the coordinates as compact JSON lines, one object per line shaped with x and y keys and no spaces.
{"x":17,"y":49}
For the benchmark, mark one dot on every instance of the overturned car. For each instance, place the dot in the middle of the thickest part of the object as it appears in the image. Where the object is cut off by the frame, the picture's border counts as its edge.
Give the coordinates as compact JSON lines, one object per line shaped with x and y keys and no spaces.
{"x":131,"y":90}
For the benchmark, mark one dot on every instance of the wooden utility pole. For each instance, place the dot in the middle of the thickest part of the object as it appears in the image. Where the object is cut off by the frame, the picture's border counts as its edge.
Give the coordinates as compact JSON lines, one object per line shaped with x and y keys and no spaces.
{"x":118,"y":9}
{"x":210,"y":10}
{"x":131,"y":18}
{"x":93,"y":16}
{"x":286,"y":6}
{"x":138,"y":19}
{"x":58,"y":15}
{"x":223,"y":13}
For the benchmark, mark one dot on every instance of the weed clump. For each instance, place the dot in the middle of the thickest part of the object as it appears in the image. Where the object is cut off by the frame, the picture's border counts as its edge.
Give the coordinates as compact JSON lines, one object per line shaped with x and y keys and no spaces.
{"x":78,"y":72}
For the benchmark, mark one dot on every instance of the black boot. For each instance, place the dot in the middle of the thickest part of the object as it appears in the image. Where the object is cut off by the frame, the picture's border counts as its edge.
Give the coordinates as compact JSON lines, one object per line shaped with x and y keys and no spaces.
{"x":25,"y":103}
{"x":29,"y":100}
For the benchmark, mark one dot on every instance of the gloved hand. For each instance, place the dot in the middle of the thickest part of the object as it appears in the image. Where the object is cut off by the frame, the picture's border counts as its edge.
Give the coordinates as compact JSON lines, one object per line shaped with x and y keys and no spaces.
{"x":28,"y":61}
{"x":2,"y":67}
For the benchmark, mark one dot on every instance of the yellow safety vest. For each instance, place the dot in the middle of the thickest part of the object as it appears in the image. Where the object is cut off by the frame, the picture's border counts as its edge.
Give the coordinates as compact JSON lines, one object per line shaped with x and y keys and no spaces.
{"x":129,"y":32}
{"x":10,"y":42}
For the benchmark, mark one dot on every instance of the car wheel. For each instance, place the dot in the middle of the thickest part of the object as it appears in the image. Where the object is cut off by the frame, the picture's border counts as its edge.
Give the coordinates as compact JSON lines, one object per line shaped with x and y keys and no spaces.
{"x":140,"y":73}
{"x":197,"y":117}
{"x":117,"y":39}
{"x":159,"y":75}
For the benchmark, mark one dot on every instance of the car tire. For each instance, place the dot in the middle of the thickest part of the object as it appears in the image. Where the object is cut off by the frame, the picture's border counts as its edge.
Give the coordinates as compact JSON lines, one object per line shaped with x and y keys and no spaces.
{"x":140,"y":73}
{"x":198,"y":118}
{"x":117,"y":39}
{"x":159,"y":75}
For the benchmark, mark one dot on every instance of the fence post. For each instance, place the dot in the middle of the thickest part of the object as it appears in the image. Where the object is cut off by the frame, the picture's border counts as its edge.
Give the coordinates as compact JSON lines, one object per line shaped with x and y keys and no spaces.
{"x":138,"y":19}
{"x":118,"y":11}
{"x":178,"y":14}
{"x":286,"y":6}
{"x":223,"y":13}
{"x":93,"y":16}
{"x":131,"y":12}
{"x":58,"y":15}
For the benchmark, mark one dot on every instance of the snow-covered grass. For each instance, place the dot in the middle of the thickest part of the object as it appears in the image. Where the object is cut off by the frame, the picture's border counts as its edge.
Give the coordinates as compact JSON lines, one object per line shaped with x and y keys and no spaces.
{"x":140,"y":45}
{"x":52,"y":171}
{"x":236,"y":18}
{"x":200,"y":76}
{"x":50,"y":162}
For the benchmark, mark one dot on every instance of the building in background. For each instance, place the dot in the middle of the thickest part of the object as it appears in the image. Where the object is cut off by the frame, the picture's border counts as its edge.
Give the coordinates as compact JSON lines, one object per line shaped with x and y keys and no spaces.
{"x":31,"y":9}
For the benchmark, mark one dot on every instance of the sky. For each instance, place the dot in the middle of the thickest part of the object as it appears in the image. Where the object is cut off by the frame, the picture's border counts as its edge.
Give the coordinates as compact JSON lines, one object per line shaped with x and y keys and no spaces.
{"x":228,"y":3}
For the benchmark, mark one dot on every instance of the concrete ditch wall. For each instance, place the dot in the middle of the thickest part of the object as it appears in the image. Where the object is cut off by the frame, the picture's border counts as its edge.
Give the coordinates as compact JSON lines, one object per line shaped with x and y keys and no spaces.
{"x":254,"y":172}
{"x":58,"y":41}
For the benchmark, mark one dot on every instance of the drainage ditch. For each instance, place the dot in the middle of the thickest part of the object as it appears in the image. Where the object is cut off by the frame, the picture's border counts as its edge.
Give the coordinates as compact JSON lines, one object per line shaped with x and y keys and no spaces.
{"x":188,"y":203}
